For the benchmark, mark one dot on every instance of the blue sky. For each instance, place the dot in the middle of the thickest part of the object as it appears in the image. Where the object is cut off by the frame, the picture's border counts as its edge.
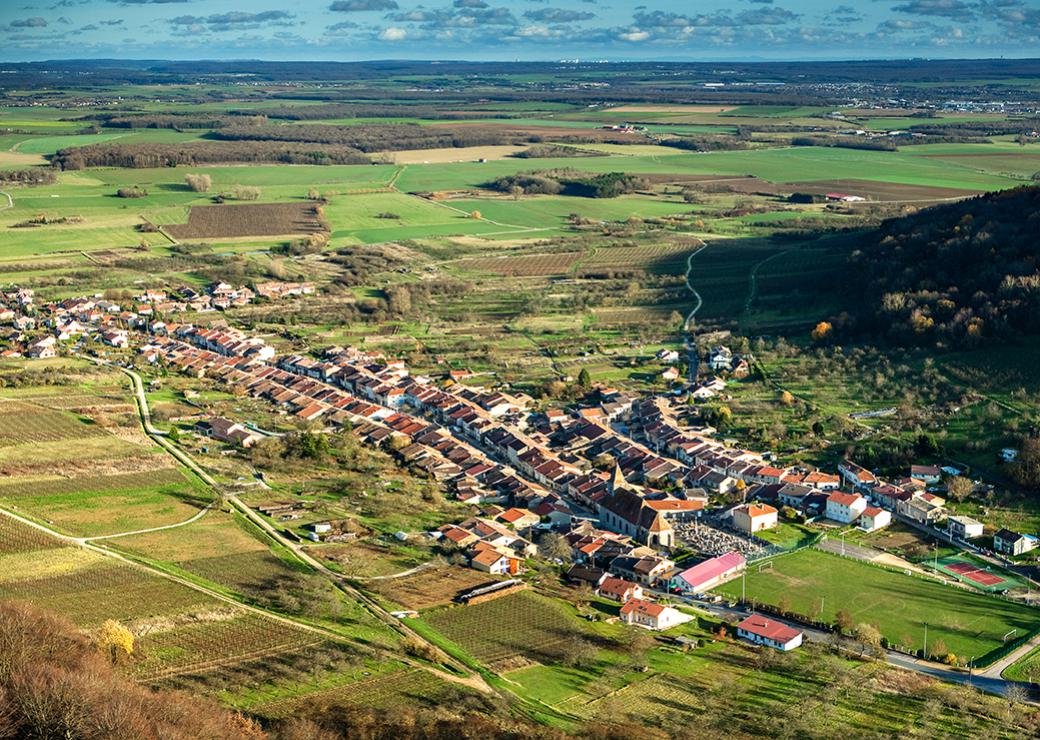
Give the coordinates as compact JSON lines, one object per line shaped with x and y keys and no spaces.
{"x":351,"y":30}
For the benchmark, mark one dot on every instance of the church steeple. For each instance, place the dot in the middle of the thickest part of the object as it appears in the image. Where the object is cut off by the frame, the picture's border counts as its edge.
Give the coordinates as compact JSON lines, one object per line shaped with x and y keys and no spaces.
{"x":617,"y":479}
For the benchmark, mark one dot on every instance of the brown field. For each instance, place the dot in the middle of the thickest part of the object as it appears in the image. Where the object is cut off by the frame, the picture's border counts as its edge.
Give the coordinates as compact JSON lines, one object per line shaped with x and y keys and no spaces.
{"x":524,"y":266}
{"x":881,"y":191}
{"x":431,"y":587}
{"x":673,"y":108}
{"x":562,"y":132}
{"x":451,"y":154}
{"x":252,"y":219}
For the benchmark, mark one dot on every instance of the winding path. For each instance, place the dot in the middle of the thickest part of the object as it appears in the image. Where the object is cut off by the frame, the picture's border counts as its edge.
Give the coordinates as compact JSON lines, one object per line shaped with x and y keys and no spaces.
{"x":693,"y":291}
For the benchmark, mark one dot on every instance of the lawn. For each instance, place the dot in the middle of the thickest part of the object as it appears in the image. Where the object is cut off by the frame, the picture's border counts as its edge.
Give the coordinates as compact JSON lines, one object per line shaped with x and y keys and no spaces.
{"x":970,"y":623}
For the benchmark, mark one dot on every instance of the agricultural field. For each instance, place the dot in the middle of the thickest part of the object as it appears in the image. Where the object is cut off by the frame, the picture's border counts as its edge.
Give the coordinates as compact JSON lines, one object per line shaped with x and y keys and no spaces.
{"x":86,"y":467}
{"x":537,"y":626}
{"x":813,"y":582}
{"x":430,"y":587}
{"x":266,"y":219}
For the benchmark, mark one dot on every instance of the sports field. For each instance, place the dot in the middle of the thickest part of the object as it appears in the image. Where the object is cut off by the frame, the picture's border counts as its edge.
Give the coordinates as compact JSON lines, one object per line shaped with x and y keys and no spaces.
{"x":971,"y":624}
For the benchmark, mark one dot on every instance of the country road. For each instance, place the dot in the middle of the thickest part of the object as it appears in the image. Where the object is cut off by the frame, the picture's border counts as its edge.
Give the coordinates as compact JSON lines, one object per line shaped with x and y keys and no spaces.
{"x":693,"y":291}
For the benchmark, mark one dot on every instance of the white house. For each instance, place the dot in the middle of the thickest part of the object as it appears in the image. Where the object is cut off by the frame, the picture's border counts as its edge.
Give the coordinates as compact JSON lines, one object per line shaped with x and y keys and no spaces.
{"x":874,"y":518}
{"x":845,"y":507}
{"x":650,"y":615}
{"x":763,"y":630}
{"x":751,"y":518}
{"x":964,"y":527}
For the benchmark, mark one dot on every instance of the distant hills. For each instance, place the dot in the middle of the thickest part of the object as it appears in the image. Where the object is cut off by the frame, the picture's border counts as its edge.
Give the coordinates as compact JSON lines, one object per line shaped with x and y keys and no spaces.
{"x":952,"y":275}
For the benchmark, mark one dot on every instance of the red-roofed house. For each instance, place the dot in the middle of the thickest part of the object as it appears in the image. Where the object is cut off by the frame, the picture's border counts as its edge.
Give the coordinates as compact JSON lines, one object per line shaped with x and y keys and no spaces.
{"x":619,"y":590}
{"x":650,"y":615}
{"x":845,"y":507}
{"x":705,"y":576}
{"x":763,"y":630}
{"x":751,"y":518}
{"x":492,"y":561}
{"x":520,"y":519}
{"x":874,"y":518}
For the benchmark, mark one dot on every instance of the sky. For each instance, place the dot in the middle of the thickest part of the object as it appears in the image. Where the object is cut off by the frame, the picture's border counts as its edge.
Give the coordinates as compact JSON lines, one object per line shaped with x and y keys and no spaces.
{"x":352,"y":30}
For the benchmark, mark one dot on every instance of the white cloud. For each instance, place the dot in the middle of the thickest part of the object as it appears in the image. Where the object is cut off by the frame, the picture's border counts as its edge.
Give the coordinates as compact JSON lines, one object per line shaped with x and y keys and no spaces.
{"x":393,"y":34}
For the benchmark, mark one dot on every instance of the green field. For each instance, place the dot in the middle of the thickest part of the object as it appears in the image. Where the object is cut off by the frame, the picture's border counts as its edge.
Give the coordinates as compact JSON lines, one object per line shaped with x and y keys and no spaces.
{"x":969,"y":623}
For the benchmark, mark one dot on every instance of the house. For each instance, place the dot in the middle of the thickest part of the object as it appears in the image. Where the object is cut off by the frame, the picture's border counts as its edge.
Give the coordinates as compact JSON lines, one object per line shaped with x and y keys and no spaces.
{"x":492,"y":561}
{"x":645,"y":569}
{"x":668,"y":356}
{"x":42,"y":348}
{"x":670,"y":375}
{"x":706,"y":575}
{"x":619,"y":590}
{"x":927,"y":473}
{"x":579,"y":573}
{"x":751,"y":518}
{"x":720,"y":359}
{"x":763,"y":630}
{"x":228,"y":431}
{"x":1012,"y":543}
{"x":650,"y":615}
{"x":856,"y":475}
{"x":921,"y":509}
{"x":874,"y":518}
{"x":964,"y":527}
{"x":519,"y":519}
{"x":845,"y":507}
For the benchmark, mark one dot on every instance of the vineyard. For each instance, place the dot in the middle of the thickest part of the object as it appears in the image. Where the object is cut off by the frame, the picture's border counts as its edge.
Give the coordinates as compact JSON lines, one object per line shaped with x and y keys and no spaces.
{"x":18,"y":538}
{"x":430,"y":587}
{"x":209,"y":645}
{"x":669,"y":259}
{"x":532,"y":265}
{"x":23,"y":423}
{"x":523,"y":624}
{"x":383,"y":691}
{"x":140,"y":481}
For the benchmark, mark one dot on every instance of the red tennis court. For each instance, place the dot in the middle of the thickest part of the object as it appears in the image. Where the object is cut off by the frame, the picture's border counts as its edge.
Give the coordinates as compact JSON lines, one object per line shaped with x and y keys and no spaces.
{"x":973,"y":573}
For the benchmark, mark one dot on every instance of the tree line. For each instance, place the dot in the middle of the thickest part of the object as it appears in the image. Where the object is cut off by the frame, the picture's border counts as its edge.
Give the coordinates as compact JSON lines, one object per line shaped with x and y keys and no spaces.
{"x":376,"y":138}
{"x":195,"y":153}
{"x":568,"y":182}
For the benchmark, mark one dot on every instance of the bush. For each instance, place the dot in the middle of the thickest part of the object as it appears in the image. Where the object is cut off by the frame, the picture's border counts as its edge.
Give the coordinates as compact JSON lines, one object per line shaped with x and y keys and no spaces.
{"x":134,"y":192}
{"x":245,"y":192}
{"x":199,"y":183}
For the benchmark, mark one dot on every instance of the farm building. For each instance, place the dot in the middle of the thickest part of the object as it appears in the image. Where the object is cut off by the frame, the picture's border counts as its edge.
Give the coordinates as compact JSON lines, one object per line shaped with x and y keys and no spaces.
{"x":650,"y":615}
{"x":763,"y":630}
{"x":708,"y":574}
{"x":751,"y":518}
{"x":844,"y":198}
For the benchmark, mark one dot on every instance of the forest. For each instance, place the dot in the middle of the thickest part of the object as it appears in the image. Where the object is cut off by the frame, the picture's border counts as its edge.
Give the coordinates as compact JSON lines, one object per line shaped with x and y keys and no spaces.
{"x":953,"y":275}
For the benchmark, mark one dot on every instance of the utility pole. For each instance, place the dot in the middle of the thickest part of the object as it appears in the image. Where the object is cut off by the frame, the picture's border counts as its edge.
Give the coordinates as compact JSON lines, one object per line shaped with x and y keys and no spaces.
{"x":926,"y":640}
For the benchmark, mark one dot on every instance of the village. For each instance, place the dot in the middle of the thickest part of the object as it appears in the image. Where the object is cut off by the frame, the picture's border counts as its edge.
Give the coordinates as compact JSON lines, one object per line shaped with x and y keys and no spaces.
{"x":650,"y":512}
